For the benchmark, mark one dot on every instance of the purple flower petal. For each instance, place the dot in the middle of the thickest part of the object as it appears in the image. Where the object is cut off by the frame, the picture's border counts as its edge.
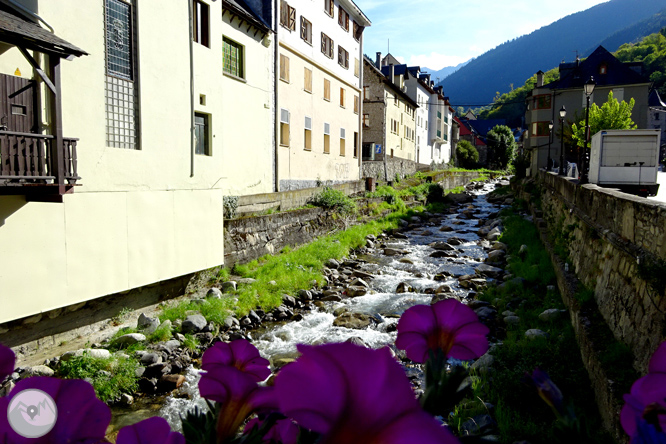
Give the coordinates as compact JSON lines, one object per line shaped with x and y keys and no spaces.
{"x":658,"y":360}
{"x":285,"y":431}
{"x":448,"y":325}
{"x":153,"y":430}
{"x":82,"y":418}
{"x":353,"y":395}
{"x":7,"y":362}
{"x":221,"y":383}
{"x":240,"y":354}
{"x":646,"y":391}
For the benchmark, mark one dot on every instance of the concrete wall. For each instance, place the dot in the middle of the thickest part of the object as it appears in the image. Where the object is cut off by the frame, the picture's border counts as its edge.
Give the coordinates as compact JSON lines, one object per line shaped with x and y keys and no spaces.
{"x":610,"y":233}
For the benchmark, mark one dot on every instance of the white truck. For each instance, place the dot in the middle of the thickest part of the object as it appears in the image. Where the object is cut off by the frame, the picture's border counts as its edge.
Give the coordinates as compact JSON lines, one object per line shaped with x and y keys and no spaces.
{"x":627,"y":160}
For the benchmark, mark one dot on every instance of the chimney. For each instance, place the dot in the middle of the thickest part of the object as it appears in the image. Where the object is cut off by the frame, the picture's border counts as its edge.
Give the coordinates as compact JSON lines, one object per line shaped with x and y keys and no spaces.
{"x":392,"y":75}
{"x":539,"y":82}
{"x":378,"y":60}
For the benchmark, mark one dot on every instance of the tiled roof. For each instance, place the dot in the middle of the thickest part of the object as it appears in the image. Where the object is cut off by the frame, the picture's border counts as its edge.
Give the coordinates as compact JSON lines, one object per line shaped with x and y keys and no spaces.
{"x":17,"y":31}
{"x":244,"y":10}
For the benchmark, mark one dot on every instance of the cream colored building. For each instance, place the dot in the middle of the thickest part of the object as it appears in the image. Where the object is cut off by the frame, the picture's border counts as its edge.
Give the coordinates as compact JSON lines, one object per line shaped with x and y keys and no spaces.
{"x":147,"y":105}
{"x":318,"y":89}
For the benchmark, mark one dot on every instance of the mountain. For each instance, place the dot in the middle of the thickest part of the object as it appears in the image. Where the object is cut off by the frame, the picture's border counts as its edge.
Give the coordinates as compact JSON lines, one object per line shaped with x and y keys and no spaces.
{"x":438,"y":76}
{"x":514,"y":61}
{"x":634,"y":33}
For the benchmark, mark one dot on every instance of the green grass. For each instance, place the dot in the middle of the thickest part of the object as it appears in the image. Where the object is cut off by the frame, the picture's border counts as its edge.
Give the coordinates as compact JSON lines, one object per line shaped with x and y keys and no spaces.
{"x":163,"y":333}
{"x":108,"y":389}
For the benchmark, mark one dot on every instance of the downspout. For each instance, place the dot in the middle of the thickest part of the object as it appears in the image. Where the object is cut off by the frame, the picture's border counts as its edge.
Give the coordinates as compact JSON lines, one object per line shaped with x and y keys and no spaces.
{"x":192,"y":147}
{"x":359,"y":147}
{"x":276,"y":135}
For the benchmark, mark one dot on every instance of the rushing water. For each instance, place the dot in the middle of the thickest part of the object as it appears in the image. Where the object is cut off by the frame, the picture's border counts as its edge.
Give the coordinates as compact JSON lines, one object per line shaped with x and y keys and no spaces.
{"x":417,"y":269}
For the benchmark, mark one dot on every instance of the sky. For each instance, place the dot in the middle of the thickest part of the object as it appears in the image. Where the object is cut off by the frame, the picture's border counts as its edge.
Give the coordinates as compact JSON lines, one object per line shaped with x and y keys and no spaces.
{"x":440,"y":33}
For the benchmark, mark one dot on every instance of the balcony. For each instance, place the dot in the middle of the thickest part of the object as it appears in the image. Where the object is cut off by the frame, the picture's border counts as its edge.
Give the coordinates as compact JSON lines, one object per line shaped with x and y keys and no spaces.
{"x":29,"y":165}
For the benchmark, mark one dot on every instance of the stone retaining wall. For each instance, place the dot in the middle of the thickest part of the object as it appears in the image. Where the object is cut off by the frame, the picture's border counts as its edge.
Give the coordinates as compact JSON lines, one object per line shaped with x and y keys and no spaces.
{"x":609,"y":233}
{"x":395,"y":167}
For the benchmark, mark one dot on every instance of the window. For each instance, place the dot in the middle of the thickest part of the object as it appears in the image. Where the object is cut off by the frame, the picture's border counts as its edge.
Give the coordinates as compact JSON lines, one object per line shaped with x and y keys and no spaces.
{"x":356,"y":104}
{"x":308,"y":134}
{"x":284,"y":127}
{"x":200,"y":22}
{"x":306,"y":30}
{"x":327,"y":138}
{"x":287,"y":16}
{"x":426,"y":125}
{"x":355,"y":145}
{"x":366,"y":92}
{"x":603,"y":68}
{"x":395,"y":101}
{"x":343,"y":101}
{"x":343,"y":18}
{"x":326,"y":45}
{"x":329,"y":7}
{"x":284,"y":68}
{"x":343,"y":57}
{"x":327,"y":90}
{"x":542,"y":101}
{"x":540,"y":129}
{"x":357,"y":67}
{"x":357,"y":31}
{"x":366,"y":120}
{"x":232,"y":55}
{"x":307,"y":81}
{"x":342,"y":141}
{"x":201,"y":138}
{"x":121,"y":92}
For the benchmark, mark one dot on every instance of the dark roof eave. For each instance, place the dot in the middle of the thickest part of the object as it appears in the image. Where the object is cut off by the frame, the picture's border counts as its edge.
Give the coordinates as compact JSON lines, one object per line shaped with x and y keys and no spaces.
{"x":245,"y":15}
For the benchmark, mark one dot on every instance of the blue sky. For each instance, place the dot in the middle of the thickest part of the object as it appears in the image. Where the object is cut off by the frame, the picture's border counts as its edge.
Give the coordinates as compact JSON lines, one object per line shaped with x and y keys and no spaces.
{"x":440,"y":33}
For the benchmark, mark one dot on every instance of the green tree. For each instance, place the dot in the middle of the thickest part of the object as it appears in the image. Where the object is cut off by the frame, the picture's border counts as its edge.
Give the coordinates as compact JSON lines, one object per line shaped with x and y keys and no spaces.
{"x":652,"y":52}
{"x":467,"y":155}
{"x":611,"y":115}
{"x":501,"y":146}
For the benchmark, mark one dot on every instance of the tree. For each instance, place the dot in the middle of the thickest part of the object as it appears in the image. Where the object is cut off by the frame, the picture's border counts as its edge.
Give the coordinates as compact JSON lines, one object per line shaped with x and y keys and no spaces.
{"x":467,"y":155}
{"x":611,"y":115}
{"x":501,"y":146}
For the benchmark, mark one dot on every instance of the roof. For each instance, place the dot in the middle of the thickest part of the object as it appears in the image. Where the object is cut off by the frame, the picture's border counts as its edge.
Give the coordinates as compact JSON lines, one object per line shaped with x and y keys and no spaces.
{"x":483,"y":126}
{"x":387,"y":81}
{"x":19,"y":32}
{"x":397,"y":70}
{"x":244,"y":10}
{"x":574,"y":75}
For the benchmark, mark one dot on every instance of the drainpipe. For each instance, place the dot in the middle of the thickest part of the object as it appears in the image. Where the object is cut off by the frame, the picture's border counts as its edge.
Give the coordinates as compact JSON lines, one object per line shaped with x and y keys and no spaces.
{"x":276,"y":135}
{"x":359,"y":142}
{"x":192,"y":147}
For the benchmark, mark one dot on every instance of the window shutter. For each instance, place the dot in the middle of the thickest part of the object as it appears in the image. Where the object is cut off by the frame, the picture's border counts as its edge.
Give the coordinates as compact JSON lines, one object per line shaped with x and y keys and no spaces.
{"x":327,"y":129}
{"x":356,"y":104}
{"x":304,"y":31}
{"x":308,"y":80}
{"x":327,"y":89}
{"x":346,"y":60}
{"x":292,"y":18}
{"x":284,"y":17}
{"x":284,"y":116}
{"x":308,"y":123}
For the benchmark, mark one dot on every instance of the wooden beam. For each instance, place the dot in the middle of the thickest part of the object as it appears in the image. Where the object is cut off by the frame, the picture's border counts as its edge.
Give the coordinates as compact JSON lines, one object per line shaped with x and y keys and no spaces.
{"x":39,"y":69}
{"x":57,"y":154}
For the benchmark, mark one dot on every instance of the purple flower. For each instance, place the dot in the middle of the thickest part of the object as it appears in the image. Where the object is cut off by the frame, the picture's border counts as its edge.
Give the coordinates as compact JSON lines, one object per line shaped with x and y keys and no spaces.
{"x":284,"y":431}
{"x":153,"y":430}
{"x":7,"y":361}
{"x":82,"y":418}
{"x":647,"y":400}
{"x":238,"y":394}
{"x":548,"y":391}
{"x":355,"y":395}
{"x":448,"y":325}
{"x":240,"y":354}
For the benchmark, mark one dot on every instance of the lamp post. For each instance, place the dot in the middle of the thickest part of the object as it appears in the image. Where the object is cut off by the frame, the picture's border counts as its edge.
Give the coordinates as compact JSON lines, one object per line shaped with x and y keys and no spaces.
{"x":550,"y":139}
{"x":589,"y":89}
{"x":563,"y":114}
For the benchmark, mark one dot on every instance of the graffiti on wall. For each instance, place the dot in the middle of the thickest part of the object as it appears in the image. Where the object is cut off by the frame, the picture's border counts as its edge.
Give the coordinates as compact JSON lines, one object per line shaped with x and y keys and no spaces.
{"x":342,"y":171}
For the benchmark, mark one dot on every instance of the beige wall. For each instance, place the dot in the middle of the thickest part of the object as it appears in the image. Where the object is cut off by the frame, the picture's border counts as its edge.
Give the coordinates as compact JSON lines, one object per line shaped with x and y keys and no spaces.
{"x":402,"y":147}
{"x":138,"y":216}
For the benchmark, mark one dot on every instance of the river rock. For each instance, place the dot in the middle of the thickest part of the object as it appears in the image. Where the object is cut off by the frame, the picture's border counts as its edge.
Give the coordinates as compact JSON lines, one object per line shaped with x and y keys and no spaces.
{"x":479,"y":425}
{"x":150,"y":358}
{"x":352,"y":320}
{"x":148,"y":386}
{"x":484,"y":363}
{"x":399,"y":235}
{"x":508,"y":313}
{"x":305,"y":295}
{"x":534,"y":333}
{"x":486,"y":312}
{"x":229,"y":286}
{"x":334,"y":298}
{"x":214,"y":293}
{"x":362,"y":275}
{"x":403,"y":288}
{"x":38,"y":370}
{"x":551,"y":314}
{"x":441,"y":254}
{"x":488,"y":270}
{"x":498,"y":246}
{"x":494,"y":234}
{"x":511,"y":320}
{"x":356,"y":290}
{"x":172,"y":344}
{"x":194,"y":323}
{"x":405,"y":260}
{"x":443,"y":289}
{"x":254,"y":317}
{"x":126,"y":399}
{"x":168,"y":383}
{"x":441,"y":246}
{"x":495,"y":256}
{"x":523,"y":250}
{"x":394,"y":252}
{"x":332,"y":264}
{"x":231,"y":322}
{"x":358,"y":282}
{"x":246,"y":281}
{"x":147,"y":324}
{"x":458,"y":198}
{"x":357,"y":341}
{"x":129,"y":339}
{"x":93,"y":352}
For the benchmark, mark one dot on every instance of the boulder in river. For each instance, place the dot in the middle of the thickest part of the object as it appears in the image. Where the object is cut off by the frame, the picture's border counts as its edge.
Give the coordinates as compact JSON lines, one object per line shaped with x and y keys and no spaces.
{"x":403,"y":288}
{"x":442,"y":246}
{"x":352,"y":320}
{"x":488,"y":270}
{"x":356,"y":290}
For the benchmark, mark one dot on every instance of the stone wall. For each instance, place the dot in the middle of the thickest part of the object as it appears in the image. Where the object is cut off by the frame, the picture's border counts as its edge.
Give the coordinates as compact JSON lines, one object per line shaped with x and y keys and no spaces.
{"x":287,"y":200}
{"x":609,"y":233}
{"x":394,"y":166}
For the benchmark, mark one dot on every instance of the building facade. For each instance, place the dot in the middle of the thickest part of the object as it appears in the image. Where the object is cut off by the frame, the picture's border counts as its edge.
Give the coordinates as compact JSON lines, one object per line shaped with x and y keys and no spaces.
{"x":118,"y":181}
{"x":625,"y":80}
{"x":319,"y":80}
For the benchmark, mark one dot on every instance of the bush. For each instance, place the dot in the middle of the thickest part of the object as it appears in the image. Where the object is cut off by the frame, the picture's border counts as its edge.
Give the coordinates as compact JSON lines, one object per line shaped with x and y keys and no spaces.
{"x":467,"y":155}
{"x":520,"y":163}
{"x":333,"y":199}
{"x":501,"y":146}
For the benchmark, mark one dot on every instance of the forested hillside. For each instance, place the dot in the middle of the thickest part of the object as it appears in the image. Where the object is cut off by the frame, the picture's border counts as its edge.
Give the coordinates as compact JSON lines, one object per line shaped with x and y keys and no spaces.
{"x":513,"y":62}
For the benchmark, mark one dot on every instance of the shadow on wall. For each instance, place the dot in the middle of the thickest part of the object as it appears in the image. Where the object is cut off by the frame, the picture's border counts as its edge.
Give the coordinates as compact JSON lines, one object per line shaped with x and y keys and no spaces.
{"x":10,"y":205}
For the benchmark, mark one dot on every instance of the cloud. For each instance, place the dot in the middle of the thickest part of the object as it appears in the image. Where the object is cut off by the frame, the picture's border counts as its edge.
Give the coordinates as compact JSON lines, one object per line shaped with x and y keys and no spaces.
{"x":435,"y":60}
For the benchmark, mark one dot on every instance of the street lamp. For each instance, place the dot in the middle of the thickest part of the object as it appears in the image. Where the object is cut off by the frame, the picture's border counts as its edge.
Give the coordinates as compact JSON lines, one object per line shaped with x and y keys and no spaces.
{"x":563,"y":114}
{"x":550,"y":139}
{"x":589,"y":89}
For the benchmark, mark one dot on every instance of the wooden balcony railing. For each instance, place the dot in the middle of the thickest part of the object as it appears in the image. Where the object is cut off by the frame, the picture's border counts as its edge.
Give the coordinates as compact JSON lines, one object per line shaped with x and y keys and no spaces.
{"x":28,"y":159}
